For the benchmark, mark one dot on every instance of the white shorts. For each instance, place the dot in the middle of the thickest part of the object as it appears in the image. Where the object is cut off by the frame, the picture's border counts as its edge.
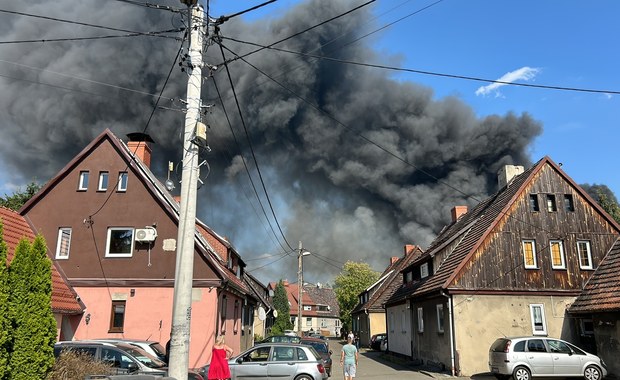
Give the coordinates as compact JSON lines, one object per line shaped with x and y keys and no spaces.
{"x":349,"y":370}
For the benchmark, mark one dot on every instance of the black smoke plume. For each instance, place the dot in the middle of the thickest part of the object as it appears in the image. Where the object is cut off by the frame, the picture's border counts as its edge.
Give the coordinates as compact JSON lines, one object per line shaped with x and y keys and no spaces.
{"x":332,"y":189}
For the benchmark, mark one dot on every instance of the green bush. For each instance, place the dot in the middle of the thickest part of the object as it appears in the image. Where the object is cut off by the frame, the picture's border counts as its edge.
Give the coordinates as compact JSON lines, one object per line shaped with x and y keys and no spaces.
{"x":72,"y":365}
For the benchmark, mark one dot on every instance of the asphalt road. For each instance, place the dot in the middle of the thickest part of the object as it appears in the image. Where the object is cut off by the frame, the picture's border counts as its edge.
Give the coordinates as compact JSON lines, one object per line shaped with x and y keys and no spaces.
{"x":372,"y":366}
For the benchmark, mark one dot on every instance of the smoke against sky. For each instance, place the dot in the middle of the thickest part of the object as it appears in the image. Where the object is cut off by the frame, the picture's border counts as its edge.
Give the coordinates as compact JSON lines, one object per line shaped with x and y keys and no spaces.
{"x":341,"y":195}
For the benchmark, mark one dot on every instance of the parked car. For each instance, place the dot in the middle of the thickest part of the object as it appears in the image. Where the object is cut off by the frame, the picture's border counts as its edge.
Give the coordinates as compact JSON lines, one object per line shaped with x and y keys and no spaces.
{"x":277,"y":361}
{"x":527,"y":357}
{"x":281,"y":339}
{"x":376,"y":340}
{"x":322,"y":348}
{"x":153,"y":348}
{"x":124,"y":358}
{"x":290,"y":333}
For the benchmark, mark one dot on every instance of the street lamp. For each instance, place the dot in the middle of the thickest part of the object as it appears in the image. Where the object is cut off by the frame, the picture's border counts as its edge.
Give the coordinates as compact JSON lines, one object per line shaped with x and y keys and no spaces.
{"x":300,"y":285}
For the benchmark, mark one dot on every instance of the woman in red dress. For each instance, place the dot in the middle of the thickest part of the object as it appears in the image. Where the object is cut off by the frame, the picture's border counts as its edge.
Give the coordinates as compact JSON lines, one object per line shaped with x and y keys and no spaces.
{"x":218,"y":370}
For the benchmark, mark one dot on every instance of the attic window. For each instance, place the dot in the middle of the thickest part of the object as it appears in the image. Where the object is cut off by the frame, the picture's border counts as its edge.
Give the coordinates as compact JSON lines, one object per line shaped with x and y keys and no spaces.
{"x":424,"y":270}
{"x":122,"y":182}
{"x":408,"y":277}
{"x":534,"y":207}
{"x":551,"y":206}
{"x":103,"y":181}
{"x":568,"y":203}
{"x":83,"y":182}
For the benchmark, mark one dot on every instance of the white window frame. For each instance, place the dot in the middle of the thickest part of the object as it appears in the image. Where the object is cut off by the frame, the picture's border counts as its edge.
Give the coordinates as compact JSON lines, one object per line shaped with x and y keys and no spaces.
{"x":440,"y":318}
{"x":420,"y":320}
{"x":542,"y":316}
{"x":83,"y":181}
{"x":308,"y":321}
{"x":523,"y":242}
{"x":588,"y":251}
{"x":307,"y":308}
{"x":107,"y":244}
{"x":122,"y":181}
{"x":424,"y":270}
{"x":59,"y":255}
{"x":562,"y":256}
{"x":103,"y":177}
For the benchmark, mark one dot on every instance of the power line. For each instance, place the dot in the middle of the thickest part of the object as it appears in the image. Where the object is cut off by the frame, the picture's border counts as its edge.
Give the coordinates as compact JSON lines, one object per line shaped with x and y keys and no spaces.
{"x":252,"y":148}
{"x":151,"y":34}
{"x":300,"y":32}
{"x":152,"y":6}
{"x":246,"y":166}
{"x":68,"y":21}
{"x":222,"y":19}
{"x":84,"y":79}
{"x":423,"y":72}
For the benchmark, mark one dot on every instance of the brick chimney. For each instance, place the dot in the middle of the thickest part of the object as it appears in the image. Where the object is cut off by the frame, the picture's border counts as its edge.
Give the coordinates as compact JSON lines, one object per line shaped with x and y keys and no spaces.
{"x":507,"y":173}
{"x":458,"y":211}
{"x":139,"y":143}
{"x":393,"y":259}
{"x":408,"y":248}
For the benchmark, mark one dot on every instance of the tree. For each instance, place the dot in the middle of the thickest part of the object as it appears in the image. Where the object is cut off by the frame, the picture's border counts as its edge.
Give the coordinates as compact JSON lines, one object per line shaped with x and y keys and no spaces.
{"x":280,"y":303}
{"x":354,"y":278}
{"x":30,"y":310}
{"x":19,"y":197}
{"x":5,"y":322}
{"x":610,"y":205}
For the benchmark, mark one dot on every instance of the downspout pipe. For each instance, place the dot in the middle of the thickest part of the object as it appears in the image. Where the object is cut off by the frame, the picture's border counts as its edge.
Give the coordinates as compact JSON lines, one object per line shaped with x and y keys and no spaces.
{"x":450,"y":323}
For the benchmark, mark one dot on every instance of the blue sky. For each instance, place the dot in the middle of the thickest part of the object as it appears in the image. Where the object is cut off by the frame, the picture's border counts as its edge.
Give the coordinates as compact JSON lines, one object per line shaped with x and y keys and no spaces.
{"x":567,"y":44}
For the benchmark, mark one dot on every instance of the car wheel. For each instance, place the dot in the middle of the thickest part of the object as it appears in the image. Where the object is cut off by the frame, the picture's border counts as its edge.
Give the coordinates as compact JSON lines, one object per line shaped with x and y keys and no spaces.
{"x":521,"y":373}
{"x":304,"y":377}
{"x":592,"y":373}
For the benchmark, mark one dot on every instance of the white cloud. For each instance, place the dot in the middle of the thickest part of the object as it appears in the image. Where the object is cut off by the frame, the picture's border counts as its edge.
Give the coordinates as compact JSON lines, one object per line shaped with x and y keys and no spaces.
{"x":525,"y":73}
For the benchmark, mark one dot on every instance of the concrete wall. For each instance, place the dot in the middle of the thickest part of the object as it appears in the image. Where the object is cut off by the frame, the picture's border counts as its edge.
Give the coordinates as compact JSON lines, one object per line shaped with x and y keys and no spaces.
{"x":607,"y":336}
{"x":432,"y":346}
{"x":480,"y":319}
{"x":399,"y":329}
{"x":148,"y":316}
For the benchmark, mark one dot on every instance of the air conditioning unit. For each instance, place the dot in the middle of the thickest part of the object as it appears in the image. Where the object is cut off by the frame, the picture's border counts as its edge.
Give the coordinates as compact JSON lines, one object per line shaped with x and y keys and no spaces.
{"x":146,"y":234}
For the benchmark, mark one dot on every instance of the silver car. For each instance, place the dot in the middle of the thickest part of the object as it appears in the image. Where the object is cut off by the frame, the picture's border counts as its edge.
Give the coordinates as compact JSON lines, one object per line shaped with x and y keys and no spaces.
{"x":283,"y":361}
{"x":527,"y":357}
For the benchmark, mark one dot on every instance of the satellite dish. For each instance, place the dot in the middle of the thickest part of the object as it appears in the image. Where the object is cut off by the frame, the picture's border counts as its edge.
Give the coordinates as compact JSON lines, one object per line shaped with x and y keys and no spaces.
{"x":261,"y":314}
{"x":275,"y":314}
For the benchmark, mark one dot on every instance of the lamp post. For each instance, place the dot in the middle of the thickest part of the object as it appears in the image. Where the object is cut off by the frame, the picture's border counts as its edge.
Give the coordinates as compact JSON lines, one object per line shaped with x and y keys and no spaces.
{"x":300,"y":285}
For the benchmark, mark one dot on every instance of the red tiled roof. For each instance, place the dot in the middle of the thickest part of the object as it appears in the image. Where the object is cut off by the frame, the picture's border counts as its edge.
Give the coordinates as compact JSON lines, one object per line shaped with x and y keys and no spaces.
{"x":602,"y":291}
{"x":15,"y":229}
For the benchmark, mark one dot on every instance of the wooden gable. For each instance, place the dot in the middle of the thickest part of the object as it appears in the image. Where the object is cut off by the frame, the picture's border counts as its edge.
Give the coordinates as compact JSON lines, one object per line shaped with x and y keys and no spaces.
{"x":497,"y":263}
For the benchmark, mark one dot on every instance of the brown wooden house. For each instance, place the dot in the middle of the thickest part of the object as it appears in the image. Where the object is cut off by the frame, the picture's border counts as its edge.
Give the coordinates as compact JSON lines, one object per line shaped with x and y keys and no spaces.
{"x":112,"y":228}
{"x":598,"y":309}
{"x":368,"y":317}
{"x":511,"y":266}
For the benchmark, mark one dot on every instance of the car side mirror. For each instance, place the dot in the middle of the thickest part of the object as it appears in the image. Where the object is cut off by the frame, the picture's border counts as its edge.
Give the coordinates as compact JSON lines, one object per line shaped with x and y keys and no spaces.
{"x":570,"y":353}
{"x":239,"y":360}
{"x":132,"y":367}
{"x":331,"y":352}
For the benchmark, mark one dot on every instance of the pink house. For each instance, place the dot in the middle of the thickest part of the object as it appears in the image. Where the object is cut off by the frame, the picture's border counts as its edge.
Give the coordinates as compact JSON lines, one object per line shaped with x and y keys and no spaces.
{"x":112,"y":228}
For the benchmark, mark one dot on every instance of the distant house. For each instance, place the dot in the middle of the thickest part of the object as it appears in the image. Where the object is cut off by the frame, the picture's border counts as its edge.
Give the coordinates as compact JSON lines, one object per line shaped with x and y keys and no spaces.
{"x":263,"y":314}
{"x":112,"y":227}
{"x":511,"y":266}
{"x":66,"y":304}
{"x":598,"y":309}
{"x":320,"y":311}
{"x":368,"y":317}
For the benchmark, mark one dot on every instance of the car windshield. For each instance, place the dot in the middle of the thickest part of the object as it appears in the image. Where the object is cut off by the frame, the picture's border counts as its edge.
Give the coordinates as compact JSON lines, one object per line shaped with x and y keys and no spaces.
{"x":144,"y":357}
{"x":320,"y":347}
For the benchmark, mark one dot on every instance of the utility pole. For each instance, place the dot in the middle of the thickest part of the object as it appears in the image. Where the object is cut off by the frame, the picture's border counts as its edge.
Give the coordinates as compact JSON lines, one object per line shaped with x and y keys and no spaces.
{"x":300,"y":286}
{"x":300,"y":283}
{"x":183,"y":278}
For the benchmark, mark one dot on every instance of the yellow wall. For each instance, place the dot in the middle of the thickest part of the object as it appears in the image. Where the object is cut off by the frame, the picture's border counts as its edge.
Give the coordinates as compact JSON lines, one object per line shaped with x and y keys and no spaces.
{"x":480,"y":319}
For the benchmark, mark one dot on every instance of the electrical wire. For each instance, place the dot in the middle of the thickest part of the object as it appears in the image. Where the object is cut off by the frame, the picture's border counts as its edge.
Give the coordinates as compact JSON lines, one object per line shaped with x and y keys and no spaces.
{"x":246,"y":166}
{"x":85,"y":79}
{"x":69,"y":21}
{"x":151,"y":34}
{"x":300,"y":32}
{"x":151,"y":6}
{"x":286,"y":254}
{"x":174,"y":63}
{"x":252,"y":148}
{"x":222,"y":19}
{"x":432,"y":73}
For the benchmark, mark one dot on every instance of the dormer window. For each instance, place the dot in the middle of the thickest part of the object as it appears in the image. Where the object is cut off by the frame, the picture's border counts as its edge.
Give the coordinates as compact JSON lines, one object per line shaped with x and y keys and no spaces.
{"x":83,"y":182}
{"x":424,"y":270}
{"x":408,"y":276}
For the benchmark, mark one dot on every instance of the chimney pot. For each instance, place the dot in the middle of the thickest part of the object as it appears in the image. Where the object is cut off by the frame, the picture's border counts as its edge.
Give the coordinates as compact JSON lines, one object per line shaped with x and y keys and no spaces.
{"x":457,"y":212}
